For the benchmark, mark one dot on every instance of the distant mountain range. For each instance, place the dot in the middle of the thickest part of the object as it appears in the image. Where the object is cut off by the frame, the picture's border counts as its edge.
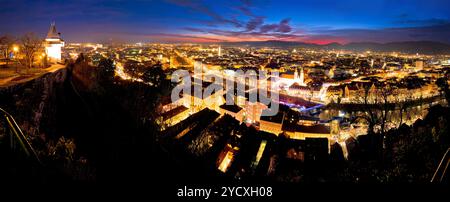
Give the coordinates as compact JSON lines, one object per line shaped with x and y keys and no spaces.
{"x":412,"y":47}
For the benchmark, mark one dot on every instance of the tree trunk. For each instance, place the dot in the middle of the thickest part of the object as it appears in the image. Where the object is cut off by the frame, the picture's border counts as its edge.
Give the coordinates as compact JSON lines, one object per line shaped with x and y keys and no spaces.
{"x":30,"y":62}
{"x":370,"y":129}
{"x":6,"y":57}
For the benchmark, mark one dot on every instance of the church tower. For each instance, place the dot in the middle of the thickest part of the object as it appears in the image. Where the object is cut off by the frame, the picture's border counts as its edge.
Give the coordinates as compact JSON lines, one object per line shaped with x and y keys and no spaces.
{"x":53,"y":44}
{"x":296,"y":74}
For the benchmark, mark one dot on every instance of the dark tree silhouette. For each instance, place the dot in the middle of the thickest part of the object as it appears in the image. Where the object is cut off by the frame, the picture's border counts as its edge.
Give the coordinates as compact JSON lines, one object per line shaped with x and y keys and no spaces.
{"x":442,"y":83}
{"x":31,"y":44}
{"x":106,"y":71}
{"x":154,"y":76}
{"x":6,"y":43}
{"x":368,"y":113}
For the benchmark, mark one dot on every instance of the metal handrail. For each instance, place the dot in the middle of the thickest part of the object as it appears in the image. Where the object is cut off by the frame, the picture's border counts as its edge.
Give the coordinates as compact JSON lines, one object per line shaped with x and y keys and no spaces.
{"x":441,"y":167}
{"x":12,"y":125}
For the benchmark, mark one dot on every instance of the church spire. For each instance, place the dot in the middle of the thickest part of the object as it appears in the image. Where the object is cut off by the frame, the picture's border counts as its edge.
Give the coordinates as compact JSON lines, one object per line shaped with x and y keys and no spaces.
{"x":302,"y":76}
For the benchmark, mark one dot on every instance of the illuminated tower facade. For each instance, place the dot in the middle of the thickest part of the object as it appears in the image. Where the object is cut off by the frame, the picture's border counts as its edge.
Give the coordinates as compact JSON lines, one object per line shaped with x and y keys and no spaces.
{"x":302,"y":76}
{"x":296,"y":74}
{"x":53,"y":44}
{"x":300,"y":79}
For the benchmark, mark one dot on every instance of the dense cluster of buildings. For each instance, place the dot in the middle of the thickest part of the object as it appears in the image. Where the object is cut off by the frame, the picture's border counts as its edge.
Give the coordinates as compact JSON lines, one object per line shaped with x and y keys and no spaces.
{"x":307,"y":81}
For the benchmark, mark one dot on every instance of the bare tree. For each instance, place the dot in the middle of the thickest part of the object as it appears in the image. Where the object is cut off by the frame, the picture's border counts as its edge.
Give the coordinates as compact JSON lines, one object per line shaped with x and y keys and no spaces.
{"x":6,"y":43}
{"x":386,"y":93}
{"x":403,"y":106}
{"x":30,"y":45}
{"x":3,"y":46}
{"x":368,"y":100}
{"x":376,"y":104}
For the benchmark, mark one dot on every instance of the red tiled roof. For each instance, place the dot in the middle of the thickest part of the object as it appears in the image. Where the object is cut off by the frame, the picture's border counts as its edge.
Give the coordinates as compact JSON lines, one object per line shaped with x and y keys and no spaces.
{"x":174,"y":112}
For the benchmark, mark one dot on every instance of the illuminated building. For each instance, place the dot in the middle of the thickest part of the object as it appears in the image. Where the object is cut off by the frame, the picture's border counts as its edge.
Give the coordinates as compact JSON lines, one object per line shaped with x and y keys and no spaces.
{"x":226,"y":157}
{"x":253,"y":111}
{"x":272,"y":124}
{"x":330,"y":72}
{"x":259,"y":154}
{"x":300,"y":132}
{"x":53,"y":44}
{"x":289,"y":79}
{"x":334,"y":128}
{"x":198,"y":101}
{"x":299,"y":90}
{"x":173,"y":117}
{"x":419,"y":65}
{"x":301,"y":78}
{"x":335,"y":92}
{"x":171,"y":113}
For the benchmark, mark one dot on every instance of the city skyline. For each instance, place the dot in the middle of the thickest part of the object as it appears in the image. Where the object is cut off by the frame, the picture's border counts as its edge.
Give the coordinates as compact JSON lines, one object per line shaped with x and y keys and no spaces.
{"x":225,"y":99}
{"x":177,"y":21}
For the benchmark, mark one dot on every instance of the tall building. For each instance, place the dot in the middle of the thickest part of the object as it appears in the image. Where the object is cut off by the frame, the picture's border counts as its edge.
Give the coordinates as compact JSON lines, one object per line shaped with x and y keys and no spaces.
{"x":53,"y":44}
{"x":220,"y":51}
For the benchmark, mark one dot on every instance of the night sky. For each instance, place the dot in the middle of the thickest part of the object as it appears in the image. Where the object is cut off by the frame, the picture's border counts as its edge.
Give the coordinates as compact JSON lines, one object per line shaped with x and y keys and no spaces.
{"x":315,"y":21}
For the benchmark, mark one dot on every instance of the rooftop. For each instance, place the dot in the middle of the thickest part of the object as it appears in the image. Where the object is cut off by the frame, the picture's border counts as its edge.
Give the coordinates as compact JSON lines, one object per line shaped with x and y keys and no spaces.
{"x":278,"y":118}
{"x":232,"y":108}
{"x":293,"y":127}
{"x":174,"y":112}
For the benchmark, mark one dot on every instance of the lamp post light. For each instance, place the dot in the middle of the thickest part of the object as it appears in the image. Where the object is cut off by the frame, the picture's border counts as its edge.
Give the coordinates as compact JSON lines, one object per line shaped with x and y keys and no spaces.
{"x":44,"y":59}
{"x":15,"y":50}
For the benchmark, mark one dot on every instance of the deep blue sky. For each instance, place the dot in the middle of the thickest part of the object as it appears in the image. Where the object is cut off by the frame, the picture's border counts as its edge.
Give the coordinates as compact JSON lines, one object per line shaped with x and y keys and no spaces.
{"x":318,"y":21}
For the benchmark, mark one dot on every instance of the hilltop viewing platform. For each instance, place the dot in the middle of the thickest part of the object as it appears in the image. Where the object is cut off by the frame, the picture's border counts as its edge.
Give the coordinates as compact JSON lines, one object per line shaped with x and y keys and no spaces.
{"x":24,"y":58}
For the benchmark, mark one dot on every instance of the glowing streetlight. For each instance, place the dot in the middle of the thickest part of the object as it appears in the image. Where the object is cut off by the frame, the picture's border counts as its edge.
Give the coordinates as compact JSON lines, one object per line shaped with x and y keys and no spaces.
{"x":16,"y":49}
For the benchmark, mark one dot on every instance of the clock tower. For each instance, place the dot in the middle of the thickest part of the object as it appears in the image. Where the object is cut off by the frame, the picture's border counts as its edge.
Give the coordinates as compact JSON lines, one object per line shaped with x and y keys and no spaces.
{"x":53,"y":44}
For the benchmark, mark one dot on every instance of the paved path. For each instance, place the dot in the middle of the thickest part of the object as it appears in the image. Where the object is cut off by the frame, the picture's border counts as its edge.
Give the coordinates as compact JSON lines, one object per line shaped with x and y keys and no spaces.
{"x":9,"y":80}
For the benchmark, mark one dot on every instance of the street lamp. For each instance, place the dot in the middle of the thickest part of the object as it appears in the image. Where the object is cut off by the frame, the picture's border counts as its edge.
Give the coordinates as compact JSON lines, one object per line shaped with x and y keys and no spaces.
{"x":43,"y":58}
{"x":15,"y":49}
